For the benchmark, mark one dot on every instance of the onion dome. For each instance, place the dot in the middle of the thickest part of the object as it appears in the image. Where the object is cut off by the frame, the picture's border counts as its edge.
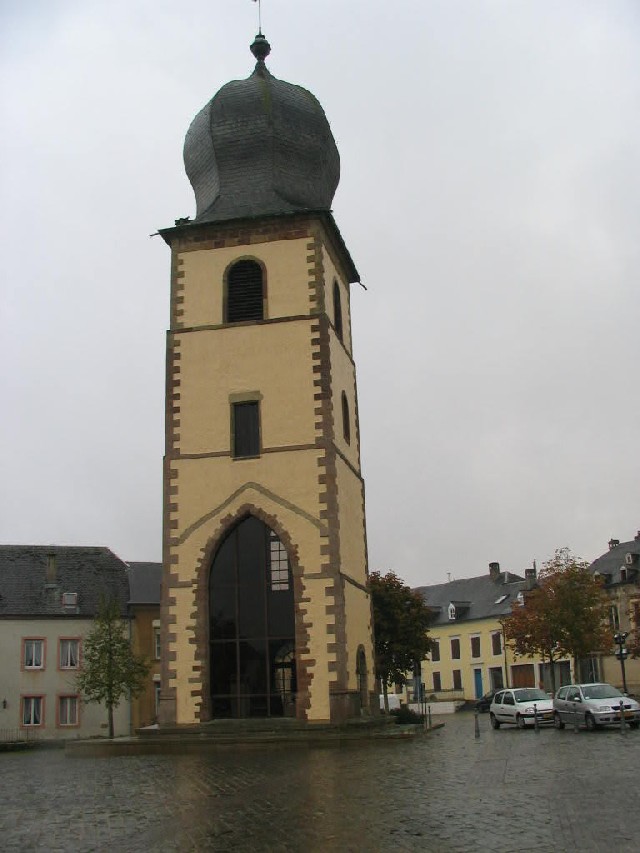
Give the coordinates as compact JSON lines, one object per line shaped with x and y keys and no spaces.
{"x":261,"y":146}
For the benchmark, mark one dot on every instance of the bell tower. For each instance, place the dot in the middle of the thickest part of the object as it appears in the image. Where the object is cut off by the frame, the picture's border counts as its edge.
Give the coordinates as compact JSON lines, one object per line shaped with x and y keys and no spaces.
{"x":265,"y":608}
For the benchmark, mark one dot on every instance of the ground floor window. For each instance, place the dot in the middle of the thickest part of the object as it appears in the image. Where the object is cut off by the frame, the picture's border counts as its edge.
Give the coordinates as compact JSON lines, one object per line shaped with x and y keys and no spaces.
{"x":33,"y":710}
{"x":68,"y":710}
{"x":457,"y":679}
{"x":496,"y":677}
{"x":437,"y":682}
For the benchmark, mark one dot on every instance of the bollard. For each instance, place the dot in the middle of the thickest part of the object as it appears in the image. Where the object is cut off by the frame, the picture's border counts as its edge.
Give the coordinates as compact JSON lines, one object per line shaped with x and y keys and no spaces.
{"x":622,"y":725}
{"x":429,"y":716}
{"x":536,"y":726}
{"x":477,"y":725}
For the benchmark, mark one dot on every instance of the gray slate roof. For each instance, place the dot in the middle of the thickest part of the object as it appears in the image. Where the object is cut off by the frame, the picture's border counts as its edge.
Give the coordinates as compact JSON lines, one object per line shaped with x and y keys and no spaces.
{"x":144,"y":583}
{"x":90,"y":572}
{"x":478,"y":597}
{"x":261,"y":146}
{"x":610,"y":563}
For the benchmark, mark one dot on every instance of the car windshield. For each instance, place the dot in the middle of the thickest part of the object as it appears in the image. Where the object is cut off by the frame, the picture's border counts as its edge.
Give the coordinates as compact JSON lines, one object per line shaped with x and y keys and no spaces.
{"x":601,"y":691}
{"x":529,"y":694}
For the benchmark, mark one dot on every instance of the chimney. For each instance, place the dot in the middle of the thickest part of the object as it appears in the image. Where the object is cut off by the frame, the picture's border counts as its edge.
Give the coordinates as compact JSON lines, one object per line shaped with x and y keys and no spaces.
{"x":50,"y":577}
{"x":530,"y":576}
{"x":613,"y":543}
{"x":494,"y":571}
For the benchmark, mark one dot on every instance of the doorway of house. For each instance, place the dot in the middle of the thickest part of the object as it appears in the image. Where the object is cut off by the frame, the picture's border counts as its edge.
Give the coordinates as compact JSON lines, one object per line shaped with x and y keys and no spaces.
{"x":477,"y":678}
{"x":251,"y":629}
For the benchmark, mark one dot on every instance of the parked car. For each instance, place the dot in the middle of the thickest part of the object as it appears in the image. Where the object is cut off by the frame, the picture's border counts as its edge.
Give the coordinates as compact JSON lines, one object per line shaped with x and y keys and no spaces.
{"x":519,"y":705}
{"x":484,"y":703}
{"x":593,"y":705}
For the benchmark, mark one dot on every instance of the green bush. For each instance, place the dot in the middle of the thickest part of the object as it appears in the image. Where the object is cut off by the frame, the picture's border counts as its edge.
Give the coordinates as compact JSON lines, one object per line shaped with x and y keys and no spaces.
{"x":405,"y":716}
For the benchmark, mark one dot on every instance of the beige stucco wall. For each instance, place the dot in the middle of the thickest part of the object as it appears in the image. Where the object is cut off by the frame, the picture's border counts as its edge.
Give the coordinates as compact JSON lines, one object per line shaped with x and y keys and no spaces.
{"x":280,"y":361}
{"x":286,"y":266}
{"x":218,"y":363}
{"x":358,"y":612}
{"x":50,"y":682}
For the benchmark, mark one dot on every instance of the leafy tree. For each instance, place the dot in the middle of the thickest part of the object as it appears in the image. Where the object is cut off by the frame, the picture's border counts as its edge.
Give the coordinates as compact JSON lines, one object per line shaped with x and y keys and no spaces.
{"x":110,"y":670}
{"x":565,"y":615}
{"x":401,"y":623}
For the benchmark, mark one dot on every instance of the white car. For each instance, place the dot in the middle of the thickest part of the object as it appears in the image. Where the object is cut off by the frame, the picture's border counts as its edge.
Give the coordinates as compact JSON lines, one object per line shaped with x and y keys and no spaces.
{"x":519,"y":706}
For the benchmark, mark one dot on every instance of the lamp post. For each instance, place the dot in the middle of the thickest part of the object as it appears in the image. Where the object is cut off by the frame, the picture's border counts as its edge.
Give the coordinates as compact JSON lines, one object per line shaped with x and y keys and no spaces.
{"x":620,"y":639}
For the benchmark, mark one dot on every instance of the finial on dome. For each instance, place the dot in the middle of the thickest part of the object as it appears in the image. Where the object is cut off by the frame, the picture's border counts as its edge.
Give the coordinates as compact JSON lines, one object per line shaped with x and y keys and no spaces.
{"x":260,"y":48}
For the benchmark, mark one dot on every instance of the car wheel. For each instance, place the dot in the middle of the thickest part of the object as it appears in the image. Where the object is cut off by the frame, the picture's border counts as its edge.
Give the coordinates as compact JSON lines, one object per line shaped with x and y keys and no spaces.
{"x":494,"y":723}
{"x":590,"y":723}
{"x":557,"y":721}
{"x":520,"y":723}
{"x":634,"y":724}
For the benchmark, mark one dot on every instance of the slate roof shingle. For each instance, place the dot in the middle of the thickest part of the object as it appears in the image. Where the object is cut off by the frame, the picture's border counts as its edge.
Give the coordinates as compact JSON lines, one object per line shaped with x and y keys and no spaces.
{"x":91,"y":572}
{"x":481,"y":597}
{"x":144,"y":583}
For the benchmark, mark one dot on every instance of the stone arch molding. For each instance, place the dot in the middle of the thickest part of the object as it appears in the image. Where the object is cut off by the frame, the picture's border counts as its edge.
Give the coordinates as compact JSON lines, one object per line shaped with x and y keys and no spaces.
{"x":280,"y":515}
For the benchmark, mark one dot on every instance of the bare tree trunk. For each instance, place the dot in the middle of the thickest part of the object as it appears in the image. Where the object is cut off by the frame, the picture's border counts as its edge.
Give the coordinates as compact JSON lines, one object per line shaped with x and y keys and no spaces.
{"x":110,"y":710}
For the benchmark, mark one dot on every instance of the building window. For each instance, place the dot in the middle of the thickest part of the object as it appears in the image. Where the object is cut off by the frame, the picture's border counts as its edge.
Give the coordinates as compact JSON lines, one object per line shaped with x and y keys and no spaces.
{"x":69,"y":654}
{"x":614,"y":618}
{"x":278,"y":563}
{"x":67,"y":710}
{"x":156,"y":643}
{"x":156,"y":698}
{"x":496,"y":643}
{"x":475,"y":647}
{"x":245,"y":292}
{"x":437,"y":682}
{"x":337,"y":309}
{"x":457,"y":679}
{"x":455,"y":649}
{"x":435,"y":650}
{"x":495,"y":678}
{"x":33,"y":654}
{"x":33,"y":710}
{"x":346,"y":424}
{"x":245,"y":428}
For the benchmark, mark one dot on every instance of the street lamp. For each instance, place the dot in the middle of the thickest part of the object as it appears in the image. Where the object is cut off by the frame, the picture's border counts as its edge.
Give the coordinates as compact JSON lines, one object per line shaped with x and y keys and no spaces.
{"x":620,"y":639}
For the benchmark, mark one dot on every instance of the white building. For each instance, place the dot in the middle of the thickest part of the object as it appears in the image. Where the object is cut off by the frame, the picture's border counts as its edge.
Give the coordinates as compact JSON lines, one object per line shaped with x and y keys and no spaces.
{"x":49,"y":596}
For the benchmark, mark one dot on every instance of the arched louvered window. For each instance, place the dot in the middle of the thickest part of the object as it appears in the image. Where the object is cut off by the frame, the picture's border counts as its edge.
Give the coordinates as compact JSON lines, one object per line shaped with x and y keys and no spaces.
{"x":337,"y":309}
{"x":245,"y":292}
{"x":346,"y":424}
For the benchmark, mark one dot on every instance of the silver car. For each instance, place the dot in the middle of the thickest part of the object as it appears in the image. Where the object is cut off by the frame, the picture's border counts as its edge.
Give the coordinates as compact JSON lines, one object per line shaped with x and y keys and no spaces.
{"x":593,"y":705}
{"x":519,"y":706}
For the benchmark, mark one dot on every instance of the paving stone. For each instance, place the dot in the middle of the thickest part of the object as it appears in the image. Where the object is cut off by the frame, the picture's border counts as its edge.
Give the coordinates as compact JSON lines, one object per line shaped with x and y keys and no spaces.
{"x":509,"y":791}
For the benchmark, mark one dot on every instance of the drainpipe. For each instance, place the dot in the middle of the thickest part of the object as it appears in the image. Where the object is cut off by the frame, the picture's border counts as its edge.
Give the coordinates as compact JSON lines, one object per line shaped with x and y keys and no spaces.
{"x":504,"y":652}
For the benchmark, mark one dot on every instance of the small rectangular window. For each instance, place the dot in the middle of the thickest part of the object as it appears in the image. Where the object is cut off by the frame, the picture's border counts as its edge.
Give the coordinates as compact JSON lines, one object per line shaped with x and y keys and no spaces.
{"x":33,"y":654}
{"x":455,"y":649}
{"x":69,"y":654}
{"x":437,"y":682}
{"x":156,"y":643}
{"x":435,"y":650}
{"x":32,"y":710}
{"x":475,"y":647}
{"x":457,"y":679}
{"x":496,"y":643}
{"x":69,"y":599}
{"x":68,"y":710}
{"x":245,"y":429}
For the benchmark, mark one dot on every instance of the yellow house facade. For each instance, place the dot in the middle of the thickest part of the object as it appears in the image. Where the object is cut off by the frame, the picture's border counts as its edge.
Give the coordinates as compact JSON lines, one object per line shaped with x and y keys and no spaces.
{"x":469,"y":654}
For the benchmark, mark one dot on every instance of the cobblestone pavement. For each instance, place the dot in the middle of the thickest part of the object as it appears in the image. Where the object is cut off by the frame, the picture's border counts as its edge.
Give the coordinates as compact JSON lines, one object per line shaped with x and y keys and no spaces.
{"x":448,"y":793}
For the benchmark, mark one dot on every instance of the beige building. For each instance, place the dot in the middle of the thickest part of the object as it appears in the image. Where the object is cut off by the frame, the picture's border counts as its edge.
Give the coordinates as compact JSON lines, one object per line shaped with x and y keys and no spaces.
{"x":469,"y":655}
{"x":49,"y":596}
{"x":265,"y":609}
{"x":619,"y":569}
{"x":144,"y":613}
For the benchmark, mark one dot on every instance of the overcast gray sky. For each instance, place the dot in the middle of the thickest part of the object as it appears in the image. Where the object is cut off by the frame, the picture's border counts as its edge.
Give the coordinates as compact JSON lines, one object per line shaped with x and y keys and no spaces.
{"x":490,"y":197}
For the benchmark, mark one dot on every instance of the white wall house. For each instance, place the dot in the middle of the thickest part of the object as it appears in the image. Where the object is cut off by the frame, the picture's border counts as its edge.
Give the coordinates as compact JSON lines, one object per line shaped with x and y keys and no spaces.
{"x":49,"y":596}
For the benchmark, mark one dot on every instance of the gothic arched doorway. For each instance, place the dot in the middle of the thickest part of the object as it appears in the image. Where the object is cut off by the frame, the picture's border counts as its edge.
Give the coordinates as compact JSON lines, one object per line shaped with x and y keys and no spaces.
{"x":251,"y":631}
